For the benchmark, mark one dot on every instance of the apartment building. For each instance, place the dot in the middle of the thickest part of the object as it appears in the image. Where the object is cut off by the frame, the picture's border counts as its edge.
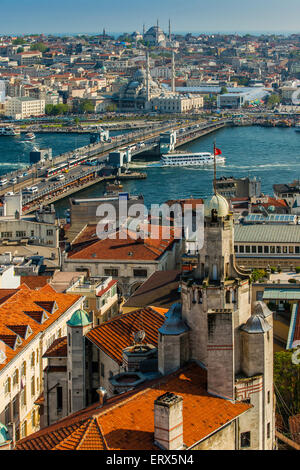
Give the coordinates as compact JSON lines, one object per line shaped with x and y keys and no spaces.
{"x":24,"y":107}
{"x":30,"y":321}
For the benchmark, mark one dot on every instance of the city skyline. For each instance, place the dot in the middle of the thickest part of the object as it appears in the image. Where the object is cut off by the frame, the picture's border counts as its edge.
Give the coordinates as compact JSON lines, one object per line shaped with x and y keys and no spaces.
{"x":196,"y":16}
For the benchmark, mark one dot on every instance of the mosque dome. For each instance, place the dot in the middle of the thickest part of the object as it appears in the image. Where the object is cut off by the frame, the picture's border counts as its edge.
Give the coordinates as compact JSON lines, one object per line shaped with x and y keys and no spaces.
{"x":173,"y":324}
{"x":139,"y":75}
{"x":79,"y":318}
{"x":4,"y":436}
{"x":256,"y":324}
{"x":218,"y":203}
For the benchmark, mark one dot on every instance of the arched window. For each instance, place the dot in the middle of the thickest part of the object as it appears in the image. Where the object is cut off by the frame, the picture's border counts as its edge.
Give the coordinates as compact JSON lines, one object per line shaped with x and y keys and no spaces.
{"x":23,"y":368}
{"x":32,"y":359}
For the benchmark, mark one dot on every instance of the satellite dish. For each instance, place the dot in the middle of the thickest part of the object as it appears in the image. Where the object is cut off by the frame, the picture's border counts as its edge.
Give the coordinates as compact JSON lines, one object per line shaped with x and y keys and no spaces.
{"x":139,"y":336}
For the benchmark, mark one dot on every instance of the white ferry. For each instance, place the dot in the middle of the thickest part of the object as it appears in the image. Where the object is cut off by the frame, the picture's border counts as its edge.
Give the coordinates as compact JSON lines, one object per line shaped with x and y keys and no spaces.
{"x":29,"y":136}
{"x":191,"y":159}
{"x":9,"y":131}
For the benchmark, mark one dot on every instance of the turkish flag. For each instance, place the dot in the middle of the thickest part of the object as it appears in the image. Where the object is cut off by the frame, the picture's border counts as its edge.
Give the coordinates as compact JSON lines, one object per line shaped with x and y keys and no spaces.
{"x":217,"y":151}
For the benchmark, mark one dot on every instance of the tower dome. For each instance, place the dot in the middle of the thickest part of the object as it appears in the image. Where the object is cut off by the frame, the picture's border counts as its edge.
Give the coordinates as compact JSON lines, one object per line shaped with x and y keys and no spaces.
{"x":256,"y":324}
{"x":218,"y":203}
{"x":260,"y":308}
{"x":173,"y":324}
{"x":79,"y":318}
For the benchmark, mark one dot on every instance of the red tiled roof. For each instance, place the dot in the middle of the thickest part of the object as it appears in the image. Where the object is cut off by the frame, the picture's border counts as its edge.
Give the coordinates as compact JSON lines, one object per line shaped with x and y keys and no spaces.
{"x":130,"y":247}
{"x":126,"y":422}
{"x":116,"y":334}
{"x":58,"y":348}
{"x":35,"y":282}
{"x":21,"y":310}
{"x":109,"y":286}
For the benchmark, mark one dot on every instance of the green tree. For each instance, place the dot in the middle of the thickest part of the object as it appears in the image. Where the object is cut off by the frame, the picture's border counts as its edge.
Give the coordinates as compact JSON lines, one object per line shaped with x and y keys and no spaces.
{"x":223,"y":90}
{"x":86,"y":106}
{"x":287,"y":384}
{"x":18,"y":42}
{"x":39,"y":46}
{"x":258,"y":274}
{"x":273,"y":100}
{"x":20,"y":49}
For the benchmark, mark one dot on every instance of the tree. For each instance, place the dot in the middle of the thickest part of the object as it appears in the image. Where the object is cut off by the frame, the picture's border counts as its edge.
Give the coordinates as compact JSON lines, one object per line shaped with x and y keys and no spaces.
{"x":223,"y":90}
{"x":287,"y":384}
{"x":56,"y":109}
{"x":273,"y":100}
{"x":18,"y":42}
{"x":86,"y":106}
{"x":39,"y":46}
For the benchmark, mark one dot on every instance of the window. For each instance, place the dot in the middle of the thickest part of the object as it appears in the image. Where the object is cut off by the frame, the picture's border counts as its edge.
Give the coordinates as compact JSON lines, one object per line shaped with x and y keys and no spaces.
{"x":37,"y":384}
{"x":278,"y":249}
{"x":23,"y":396}
{"x":268,"y":431}
{"x":245,"y":439}
{"x":236,"y":248}
{"x":32,"y":359}
{"x":272,"y":249}
{"x":247,"y":249}
{"x":59,"y":398}
{"x":33,"y":422}
{"x":297,"y":249}
{"x":259,"y":249}
{"x":269,"y":396}
{"x":7,"y":386}
{"x":140,"y":273}
{"x":37,"y":356}
{"x":16,"y":377}
{"x":33,"y":386}
{"x":241,"y":249}
{"x":20,"y":233}
{"x":7,"y":414}
{"x":24,"y":429}
{"x":23,"y":369}
{"x":111,"y":272}
{"x":69,"y":339}
{"x":49,"y":233}
{"x":102,"y":369}
{"x":32,"y":233}
{"x":259,"y":295}
{"x":266,"y":249}
{"x":253,"y":249}
{"x":6,"y":234}
{"x":284,"y":249}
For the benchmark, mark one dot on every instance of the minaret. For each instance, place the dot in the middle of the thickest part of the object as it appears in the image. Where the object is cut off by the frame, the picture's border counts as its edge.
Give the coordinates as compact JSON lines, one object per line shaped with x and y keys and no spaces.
{"x":173,"y":74}
{"x":170,"y":30}
{"x":144,"y":30}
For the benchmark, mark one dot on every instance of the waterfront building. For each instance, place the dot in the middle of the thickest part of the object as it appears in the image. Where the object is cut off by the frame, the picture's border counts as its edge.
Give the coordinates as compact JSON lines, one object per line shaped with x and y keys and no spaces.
{"x":231,"y":187}
{"x":290,"y":192}
{"x":30,"y":320}
{"x":24,"y":107}
{"x":175,"y":103}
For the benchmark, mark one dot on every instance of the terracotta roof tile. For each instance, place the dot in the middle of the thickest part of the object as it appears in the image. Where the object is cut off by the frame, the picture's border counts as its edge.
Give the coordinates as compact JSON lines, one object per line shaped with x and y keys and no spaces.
{"x":126,"y":422}
{"x":116,"y":334}
{"x":20,"y":313}
{"x":58,"y":348}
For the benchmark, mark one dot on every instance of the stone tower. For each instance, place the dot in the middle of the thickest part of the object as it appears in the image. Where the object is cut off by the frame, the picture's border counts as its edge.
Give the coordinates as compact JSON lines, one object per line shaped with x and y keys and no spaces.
{"x":233,"y":345}
{"x":77,"y":327}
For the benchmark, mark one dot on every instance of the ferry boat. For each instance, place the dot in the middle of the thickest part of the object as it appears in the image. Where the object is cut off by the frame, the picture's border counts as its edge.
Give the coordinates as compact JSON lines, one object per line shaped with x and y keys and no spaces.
{"x":29,"y":136}
{"x":9,"y":131}
{"x":191,"y":159}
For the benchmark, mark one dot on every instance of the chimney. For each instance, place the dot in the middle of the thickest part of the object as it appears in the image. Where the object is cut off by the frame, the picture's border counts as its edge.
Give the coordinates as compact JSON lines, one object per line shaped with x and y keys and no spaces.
{"x":102,"y":396}
{"x":168,"y":425}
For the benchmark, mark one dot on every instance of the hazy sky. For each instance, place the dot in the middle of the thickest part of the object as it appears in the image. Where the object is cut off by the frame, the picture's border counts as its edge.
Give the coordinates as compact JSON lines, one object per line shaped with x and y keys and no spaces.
{"x":25,"y":16}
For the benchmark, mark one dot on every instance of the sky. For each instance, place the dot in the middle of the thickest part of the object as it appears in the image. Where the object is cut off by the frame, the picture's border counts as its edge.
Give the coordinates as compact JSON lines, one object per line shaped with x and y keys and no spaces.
{"x":72,"y":16}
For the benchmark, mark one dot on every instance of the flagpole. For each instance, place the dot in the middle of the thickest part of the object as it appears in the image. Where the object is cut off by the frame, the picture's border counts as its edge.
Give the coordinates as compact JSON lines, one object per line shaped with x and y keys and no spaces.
{"x":215,"y":169}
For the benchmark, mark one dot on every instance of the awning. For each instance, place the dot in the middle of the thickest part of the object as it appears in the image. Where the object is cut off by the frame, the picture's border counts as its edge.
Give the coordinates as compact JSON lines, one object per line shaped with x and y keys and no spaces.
{"x":281,"y":294}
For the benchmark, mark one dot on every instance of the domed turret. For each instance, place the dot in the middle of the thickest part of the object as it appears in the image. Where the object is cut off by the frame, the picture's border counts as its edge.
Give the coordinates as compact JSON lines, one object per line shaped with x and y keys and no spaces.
{"x":79,"y":318}
{"x":256,"y":324}
{"x":260,"y":308}
{"x":217,"y":203}
{"x":173,"y":325}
